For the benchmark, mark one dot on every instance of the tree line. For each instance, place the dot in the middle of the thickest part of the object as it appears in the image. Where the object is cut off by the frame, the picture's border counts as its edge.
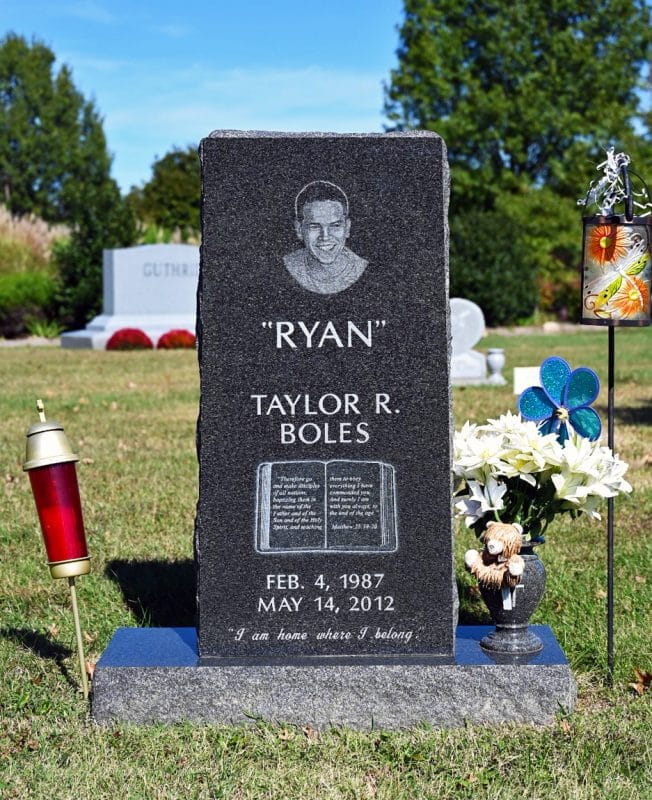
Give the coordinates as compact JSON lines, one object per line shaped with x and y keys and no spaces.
{"x":526,"y":94}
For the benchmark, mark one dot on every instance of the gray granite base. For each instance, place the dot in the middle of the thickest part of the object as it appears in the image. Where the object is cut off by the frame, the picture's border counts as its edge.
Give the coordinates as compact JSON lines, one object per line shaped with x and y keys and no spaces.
{"x":149,"y":675}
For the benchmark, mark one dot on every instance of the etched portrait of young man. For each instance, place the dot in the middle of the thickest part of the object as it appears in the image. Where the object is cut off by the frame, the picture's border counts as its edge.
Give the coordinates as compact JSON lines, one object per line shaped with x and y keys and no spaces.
{"x":324,"y":264}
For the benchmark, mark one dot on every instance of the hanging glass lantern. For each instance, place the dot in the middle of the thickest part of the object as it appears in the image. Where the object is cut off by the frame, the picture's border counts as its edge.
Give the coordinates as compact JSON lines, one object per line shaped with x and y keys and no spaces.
{"x":617,"y":251}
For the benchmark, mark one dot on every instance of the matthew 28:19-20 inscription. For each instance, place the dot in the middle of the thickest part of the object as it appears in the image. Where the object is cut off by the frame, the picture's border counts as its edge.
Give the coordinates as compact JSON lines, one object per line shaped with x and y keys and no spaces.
{"x":342,"y":506}
{"x":323,"y":524}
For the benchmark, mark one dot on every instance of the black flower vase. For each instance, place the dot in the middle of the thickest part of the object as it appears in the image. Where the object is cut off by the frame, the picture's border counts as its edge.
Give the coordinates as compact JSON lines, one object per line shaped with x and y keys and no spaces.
{"x":512,"y":635}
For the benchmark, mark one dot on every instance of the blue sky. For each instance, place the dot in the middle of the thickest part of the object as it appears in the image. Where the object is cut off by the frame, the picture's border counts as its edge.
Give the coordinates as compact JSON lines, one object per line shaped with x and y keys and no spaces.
{"x":166,"y":73}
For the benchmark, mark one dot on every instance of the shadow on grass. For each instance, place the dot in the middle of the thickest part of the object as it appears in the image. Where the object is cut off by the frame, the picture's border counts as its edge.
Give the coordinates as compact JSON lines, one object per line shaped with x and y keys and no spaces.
{"x":42,"y":647}
{"x":160,"y":594}
{"x":626,"y":414}
{"x":633,"y":415}
{"x":472,"y":611}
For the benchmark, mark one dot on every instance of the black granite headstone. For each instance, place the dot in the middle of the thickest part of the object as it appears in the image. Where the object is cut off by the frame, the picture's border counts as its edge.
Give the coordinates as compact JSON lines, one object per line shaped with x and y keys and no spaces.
{"x":324,"y":519}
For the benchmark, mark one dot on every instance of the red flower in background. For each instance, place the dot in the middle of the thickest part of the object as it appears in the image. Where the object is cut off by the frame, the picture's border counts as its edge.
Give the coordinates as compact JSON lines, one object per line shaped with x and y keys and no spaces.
{"x":177,"y":339}
{"x":129,"y":339}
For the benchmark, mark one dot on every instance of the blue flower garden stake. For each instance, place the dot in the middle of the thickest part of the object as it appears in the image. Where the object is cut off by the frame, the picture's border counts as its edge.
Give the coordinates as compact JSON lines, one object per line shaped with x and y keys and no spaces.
{"x":563,"y":400}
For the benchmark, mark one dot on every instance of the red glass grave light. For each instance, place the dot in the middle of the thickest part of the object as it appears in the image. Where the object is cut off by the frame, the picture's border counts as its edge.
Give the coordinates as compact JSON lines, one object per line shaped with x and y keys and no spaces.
{"x":50,"y":462}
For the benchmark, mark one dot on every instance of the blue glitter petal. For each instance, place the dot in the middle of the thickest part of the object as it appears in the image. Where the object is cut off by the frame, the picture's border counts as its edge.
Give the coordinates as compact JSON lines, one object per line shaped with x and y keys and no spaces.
{"x":586,"y":422}
{"x":534,"y":404}
{"x":582,"y":388}
{"x":554,"y":375}
{"x":549,"y":425}
{"x":563,"y":433}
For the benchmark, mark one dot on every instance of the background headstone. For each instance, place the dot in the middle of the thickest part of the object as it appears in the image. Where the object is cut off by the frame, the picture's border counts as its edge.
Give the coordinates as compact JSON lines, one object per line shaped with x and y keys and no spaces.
{"x":152,"y":287}
{"x":468,"y":366}
{"x":525,"y":377}
{"x":324,"y":516}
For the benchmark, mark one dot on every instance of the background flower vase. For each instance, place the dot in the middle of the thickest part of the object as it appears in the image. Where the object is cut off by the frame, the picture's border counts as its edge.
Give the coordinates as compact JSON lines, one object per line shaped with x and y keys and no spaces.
{"x":512,"y":634}
{"x":496,"y":363}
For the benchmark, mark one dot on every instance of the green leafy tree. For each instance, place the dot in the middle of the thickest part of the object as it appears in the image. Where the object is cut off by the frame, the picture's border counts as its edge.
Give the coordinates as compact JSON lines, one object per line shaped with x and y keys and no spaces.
{"x":502,"y":282}
{"x":103,"y":223}
{"x":54,"y":163}
{"x":521,"y":90}
{"x":525,"y":94}
{"x":171,"y":198}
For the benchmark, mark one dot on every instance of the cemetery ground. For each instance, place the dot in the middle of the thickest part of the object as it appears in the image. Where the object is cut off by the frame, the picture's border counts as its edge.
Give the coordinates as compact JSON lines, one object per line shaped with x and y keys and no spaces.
{"x":131,"y":417}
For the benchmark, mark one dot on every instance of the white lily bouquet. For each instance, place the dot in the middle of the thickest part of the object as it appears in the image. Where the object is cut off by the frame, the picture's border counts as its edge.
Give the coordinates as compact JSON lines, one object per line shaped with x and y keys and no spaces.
{"x":515,"y":475}
{"x":509,"y":471}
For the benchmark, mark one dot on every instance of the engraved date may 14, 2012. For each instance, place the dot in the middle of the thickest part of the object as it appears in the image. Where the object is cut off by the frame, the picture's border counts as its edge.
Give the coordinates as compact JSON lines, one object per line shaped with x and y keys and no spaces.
{"x":333,"y":594}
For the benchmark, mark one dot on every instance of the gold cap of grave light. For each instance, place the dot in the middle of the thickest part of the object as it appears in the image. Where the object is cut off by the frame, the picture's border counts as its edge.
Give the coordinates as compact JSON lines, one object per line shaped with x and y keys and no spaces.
{"x":47,"y":443}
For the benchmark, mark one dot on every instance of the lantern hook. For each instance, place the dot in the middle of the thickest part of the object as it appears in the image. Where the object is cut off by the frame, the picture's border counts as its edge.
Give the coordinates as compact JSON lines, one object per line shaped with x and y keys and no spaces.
{"x":629,"y":197}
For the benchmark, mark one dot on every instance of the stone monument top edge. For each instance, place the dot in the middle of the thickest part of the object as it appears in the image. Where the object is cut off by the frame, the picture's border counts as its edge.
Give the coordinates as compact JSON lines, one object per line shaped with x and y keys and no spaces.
{"x":151,"y":249}
{"x":254,"y":134}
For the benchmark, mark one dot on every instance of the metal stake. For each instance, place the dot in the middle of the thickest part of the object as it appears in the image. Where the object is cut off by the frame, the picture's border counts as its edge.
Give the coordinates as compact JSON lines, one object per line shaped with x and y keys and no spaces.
{"x":610,"y":518}
{"x":80,"y":643}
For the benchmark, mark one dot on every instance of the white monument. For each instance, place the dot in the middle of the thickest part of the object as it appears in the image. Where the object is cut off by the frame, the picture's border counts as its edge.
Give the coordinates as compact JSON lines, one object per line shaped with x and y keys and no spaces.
{"x":152,"y":287}
{"x":468,"y":366}
{"x":525,"y":377}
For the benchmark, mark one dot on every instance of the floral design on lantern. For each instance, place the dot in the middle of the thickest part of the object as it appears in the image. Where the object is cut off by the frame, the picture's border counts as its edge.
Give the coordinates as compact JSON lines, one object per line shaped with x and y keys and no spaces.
{"x":632,"y":299}
{"x":617,"y":289}
{"x":607,"y":243}
{"x":563,"y":400}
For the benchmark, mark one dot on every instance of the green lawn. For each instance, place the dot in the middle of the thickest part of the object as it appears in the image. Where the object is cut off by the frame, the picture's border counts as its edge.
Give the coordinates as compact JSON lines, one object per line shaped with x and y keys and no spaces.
{"x":132,"y":418}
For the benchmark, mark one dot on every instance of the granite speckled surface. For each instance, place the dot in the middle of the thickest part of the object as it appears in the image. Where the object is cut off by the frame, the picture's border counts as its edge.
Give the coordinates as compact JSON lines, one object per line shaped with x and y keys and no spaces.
{"x":396,"y":189}
{"x":151,"y":675}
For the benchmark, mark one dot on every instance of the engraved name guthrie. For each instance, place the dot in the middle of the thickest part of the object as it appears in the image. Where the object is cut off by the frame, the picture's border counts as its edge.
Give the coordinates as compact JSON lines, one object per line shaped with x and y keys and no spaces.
{"x":321,"y":220}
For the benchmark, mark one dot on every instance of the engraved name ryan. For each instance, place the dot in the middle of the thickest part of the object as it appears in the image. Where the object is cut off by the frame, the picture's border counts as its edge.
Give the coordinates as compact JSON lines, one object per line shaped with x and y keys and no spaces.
{"x":320,"y":334}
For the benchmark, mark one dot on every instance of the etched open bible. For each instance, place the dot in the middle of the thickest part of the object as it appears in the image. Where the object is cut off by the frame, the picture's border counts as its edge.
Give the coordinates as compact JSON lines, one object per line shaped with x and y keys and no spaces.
{"x":326,"y":506}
